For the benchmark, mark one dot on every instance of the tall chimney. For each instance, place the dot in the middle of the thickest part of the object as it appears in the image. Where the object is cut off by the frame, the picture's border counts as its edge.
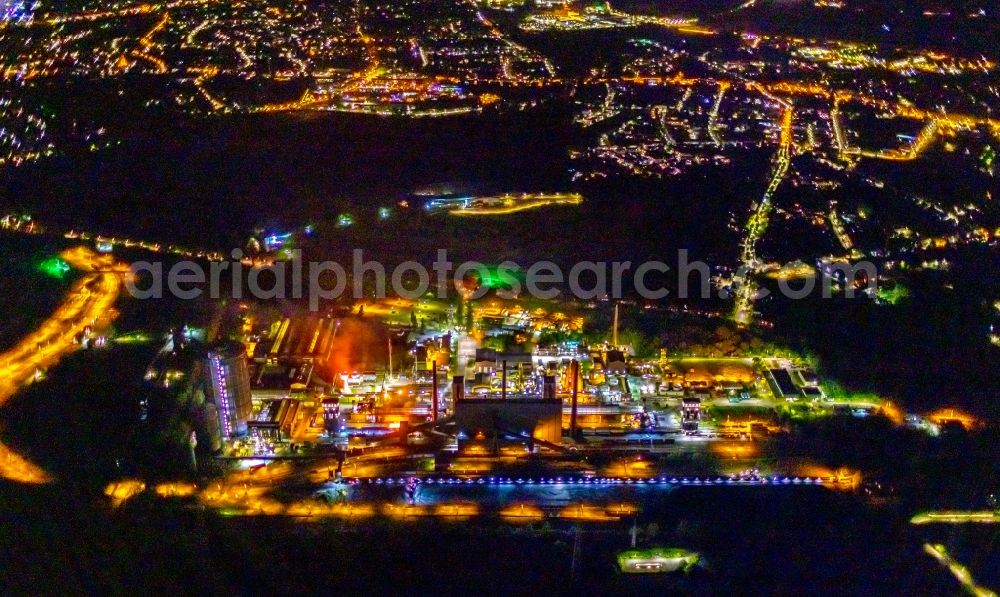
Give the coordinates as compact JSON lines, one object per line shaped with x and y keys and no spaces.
{"x":503,"y":380}
{"x":434,"y":389}
{"x":572,"y":413}
{"x":457,"y":389}
{"x":614,"y":329}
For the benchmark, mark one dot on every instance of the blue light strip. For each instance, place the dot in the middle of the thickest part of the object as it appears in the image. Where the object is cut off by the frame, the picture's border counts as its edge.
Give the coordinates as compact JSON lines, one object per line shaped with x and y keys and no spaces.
{"x":599,"y":481}
{"x":223,"y":394}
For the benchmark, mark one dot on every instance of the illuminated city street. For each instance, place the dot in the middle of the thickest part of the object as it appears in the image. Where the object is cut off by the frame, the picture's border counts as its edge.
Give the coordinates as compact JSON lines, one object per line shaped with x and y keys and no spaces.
{"x":746,"y":288}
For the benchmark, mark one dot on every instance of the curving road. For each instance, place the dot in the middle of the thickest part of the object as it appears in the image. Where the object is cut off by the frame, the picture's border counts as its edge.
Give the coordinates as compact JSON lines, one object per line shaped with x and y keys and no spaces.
{"x":89,"y":304}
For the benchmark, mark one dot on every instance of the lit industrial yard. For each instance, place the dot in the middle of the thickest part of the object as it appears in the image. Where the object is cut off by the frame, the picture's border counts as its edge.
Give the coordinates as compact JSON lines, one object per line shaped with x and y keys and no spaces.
{"x":516,"y":296}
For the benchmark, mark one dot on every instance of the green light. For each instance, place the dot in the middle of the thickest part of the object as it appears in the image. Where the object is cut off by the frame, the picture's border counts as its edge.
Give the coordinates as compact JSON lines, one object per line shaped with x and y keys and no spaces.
{"x":344,"y":220}
{"x":656,"y":559}
{"x":133,"y":338}
{"x":54,"y":267}
{"x":891,"y":295}
{"x":384,"y":213}
{"x":494,"y":277}
{"x":989,"y":156}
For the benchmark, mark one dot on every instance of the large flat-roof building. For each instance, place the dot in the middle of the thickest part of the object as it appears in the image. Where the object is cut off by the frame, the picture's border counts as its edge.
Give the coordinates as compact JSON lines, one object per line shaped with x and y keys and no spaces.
{"x":308,"y":339}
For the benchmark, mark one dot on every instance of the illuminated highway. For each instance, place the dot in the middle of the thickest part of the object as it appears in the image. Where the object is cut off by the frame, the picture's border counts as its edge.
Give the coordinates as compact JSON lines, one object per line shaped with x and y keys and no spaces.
{"x":88,"y":306}
{"x":508,"y":204}
{"x":947,"y":517}
{"x":743,"y":282}
{"x":146,"y":41}
{"x":960,"y":572}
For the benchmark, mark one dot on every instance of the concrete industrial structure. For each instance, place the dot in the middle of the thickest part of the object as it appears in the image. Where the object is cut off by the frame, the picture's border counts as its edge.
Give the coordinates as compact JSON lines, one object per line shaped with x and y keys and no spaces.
{"x":515,"y":419}
{"x":228,"y":387}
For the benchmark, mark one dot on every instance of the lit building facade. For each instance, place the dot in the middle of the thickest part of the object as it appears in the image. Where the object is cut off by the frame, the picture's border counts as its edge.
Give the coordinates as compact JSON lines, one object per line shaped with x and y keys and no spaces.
{"x":229,"y":388}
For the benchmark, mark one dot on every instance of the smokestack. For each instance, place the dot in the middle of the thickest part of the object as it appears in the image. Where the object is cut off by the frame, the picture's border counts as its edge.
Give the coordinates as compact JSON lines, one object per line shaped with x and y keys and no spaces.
{"x":503,"y":380}
{"x":549,"y":387}
{"x":457,"y":389}
{"x":434,"y":389}
{"x":572,"y":413}
{"x":614,"y":329}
